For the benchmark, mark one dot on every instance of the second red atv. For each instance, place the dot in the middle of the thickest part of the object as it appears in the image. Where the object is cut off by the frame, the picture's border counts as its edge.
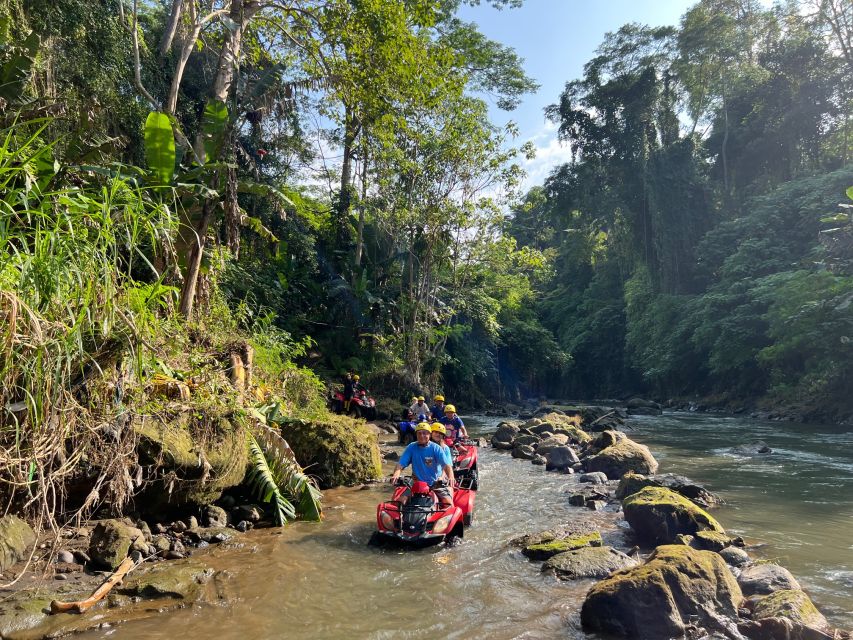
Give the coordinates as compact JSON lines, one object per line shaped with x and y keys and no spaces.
{"x":422,"y":520}
{"x":465,"y":458}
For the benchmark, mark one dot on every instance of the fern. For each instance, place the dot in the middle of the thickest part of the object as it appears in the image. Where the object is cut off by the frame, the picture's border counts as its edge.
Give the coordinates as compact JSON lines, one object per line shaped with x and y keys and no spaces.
{"x":276,"y":477}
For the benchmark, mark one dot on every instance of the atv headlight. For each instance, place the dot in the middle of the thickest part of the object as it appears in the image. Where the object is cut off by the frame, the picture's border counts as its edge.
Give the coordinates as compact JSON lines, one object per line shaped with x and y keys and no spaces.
{"x":386,"y":520}
{"x":442,"y":524}
{"x":464,"y":463}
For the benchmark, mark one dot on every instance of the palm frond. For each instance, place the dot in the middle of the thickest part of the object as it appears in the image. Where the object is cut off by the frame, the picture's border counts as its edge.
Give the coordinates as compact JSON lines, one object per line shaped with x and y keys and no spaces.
{"x":280,"y":468}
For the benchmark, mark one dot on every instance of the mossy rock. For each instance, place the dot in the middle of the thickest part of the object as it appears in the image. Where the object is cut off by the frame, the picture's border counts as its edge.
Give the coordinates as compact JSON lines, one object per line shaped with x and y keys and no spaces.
{"x":337,"y":451}
{"x":16,"y":537}
{"x":713,"y":540}
{"x":587,"y":562}
{"x":632,"y":482}
{"x":567,"y":425}
{"x":675,"y":587}
{"x":793,"y":604}
{"x":192,"y":455}
{"x":546,"y":549}
{"x":658,"y":515}
{"x":182,"y":580}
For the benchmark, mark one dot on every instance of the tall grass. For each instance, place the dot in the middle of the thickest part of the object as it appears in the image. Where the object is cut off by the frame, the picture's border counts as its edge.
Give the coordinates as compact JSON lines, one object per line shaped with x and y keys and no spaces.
{"x":76,"y":291}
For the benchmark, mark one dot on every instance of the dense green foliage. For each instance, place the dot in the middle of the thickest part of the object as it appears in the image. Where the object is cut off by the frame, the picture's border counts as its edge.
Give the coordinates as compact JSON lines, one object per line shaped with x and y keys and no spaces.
{"x":698,"y":260}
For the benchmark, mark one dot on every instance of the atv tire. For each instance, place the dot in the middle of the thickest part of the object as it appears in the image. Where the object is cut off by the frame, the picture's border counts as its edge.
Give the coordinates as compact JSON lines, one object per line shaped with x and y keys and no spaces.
{"x":454,"y":537}
{"x":376,"y":540}
{"x":467,"y":519}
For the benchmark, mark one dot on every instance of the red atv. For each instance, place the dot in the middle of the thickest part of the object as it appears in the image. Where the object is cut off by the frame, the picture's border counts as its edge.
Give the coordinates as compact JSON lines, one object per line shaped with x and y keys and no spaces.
{"x":422,"y":520}
{"x":465,"y":456}
{"x":362,"y":405}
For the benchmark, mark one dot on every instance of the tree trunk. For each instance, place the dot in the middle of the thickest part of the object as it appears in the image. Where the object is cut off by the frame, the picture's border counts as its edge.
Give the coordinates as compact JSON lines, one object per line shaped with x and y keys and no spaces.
{"x":194,"y":261}
{"x":359,"y":246}
{"x":171,"y":26}
{"x":226,"y":69}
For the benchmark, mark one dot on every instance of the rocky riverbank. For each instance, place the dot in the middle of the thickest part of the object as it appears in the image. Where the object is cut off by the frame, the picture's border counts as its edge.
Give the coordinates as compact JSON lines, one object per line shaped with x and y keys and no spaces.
{"x":676,"y":572}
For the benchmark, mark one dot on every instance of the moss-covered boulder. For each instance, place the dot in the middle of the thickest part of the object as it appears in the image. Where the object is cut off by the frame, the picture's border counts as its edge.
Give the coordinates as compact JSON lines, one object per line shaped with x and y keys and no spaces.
{"x":621,"y":457}
{"x":658,"y":515}
{"x":587,"y":562}
{"x":676,"y":586}
{"x":16,"y":538}
{"x":111,"y":541}
{"x":793,"y":604}
{"x":183,"y":580}
{"x":190,"y":456}
{"x":633,"y":482}
{"x":713,"y":540}
{"x":337,"y":450}
{"x":568,"y":425}
{"x":544,"y":549}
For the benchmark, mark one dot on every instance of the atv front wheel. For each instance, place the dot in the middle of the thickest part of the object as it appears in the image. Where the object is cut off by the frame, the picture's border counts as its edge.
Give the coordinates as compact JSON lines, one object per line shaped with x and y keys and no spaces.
{"x":467,"y":519}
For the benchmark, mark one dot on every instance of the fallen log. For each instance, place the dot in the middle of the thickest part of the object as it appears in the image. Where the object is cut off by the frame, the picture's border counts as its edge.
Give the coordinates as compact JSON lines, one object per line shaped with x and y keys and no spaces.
{"x":57,"y":606}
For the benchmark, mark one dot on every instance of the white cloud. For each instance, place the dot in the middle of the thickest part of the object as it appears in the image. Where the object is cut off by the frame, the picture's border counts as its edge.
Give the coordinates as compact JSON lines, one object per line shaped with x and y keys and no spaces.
{"x":550,"y":153}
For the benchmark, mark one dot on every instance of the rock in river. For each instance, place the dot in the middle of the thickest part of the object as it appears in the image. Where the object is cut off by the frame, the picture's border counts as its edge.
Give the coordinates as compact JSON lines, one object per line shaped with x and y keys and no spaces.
{"x":504,"y":436}
{"x":766,"y":578}
{"x":620,"y":457}
{"x":658,"y":515}
{"x":596,"y":477}
{"x":757,"y":448}
{"x":793,"y":604}
{"x":633,"y":482}
{"x":657,"y":600}
{"x":560,"y":459}
{"x":544,"y":548}
{"x":587,"y":562}
{"x":523,"y":451}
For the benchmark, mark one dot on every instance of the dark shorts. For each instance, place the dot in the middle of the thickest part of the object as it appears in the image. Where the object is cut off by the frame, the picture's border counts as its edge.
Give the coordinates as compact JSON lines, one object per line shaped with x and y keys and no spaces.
{"x":442,"y":491}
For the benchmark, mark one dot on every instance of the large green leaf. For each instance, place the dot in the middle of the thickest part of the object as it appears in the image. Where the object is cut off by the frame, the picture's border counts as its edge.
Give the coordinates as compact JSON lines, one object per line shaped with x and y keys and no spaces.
{"x":850,"y":192}
{"x":213,"y":128}
{"x":160,"y":146}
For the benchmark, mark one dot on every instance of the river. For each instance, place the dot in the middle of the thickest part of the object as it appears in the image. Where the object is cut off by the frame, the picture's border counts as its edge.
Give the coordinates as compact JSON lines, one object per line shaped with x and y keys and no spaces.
{"x":322,"y":581}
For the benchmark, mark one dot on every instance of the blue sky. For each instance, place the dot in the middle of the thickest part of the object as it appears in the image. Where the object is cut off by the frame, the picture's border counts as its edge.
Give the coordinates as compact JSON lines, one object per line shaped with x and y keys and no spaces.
{"x":556,"y":38}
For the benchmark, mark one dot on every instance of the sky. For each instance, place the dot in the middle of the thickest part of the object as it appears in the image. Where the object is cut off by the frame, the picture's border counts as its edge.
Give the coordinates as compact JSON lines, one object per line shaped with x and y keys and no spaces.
{"x":556,"y":38}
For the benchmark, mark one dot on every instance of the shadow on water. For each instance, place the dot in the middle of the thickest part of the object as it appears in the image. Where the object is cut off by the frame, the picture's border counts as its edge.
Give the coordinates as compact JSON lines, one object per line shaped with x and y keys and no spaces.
{"x":322,"y":581}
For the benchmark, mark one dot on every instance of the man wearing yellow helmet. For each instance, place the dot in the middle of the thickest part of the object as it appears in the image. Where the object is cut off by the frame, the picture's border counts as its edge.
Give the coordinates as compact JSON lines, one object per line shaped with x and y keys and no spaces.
{"x":453,"y":423}
{"x":438,"y":434}
{"x":437,"y":410}
{"x":428,"y":463}
{"x":349,"y":391}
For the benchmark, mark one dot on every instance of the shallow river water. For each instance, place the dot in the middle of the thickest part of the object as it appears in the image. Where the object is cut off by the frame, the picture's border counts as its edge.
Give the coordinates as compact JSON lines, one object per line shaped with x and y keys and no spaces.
{"x":322,"y":581}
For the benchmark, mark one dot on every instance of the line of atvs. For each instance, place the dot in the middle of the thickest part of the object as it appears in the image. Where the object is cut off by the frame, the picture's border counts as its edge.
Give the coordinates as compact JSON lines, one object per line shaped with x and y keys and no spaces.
{"x":422,"y":520}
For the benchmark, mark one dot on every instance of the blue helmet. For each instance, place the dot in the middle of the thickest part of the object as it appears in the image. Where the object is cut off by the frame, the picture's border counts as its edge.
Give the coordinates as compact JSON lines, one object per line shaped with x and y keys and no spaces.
{"x":422,"y":418}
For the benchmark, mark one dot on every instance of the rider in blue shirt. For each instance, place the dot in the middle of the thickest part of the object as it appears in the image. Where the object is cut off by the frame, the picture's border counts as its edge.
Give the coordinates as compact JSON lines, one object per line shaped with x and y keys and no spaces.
{"x":428,"y":462}
{"x":453,"y":423}
{"x":437,"y":411}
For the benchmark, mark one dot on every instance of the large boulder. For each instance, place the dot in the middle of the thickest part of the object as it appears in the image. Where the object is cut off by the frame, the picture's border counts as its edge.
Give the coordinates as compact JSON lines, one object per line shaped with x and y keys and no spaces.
{"x":766,"y":578}
{"x":528,"y":440}
{"x":633,"y":482}
{"x":523,"y":452}
{"x":337,"y":451}
{"x":657,"y":600}
{"x":560,"y":459}
{"x":190,"y":456}
{"x":16,"y":538}
{"x":792,"y":604}
{"x":180,"y":581}
{"x":587,"y":562}
{"x":111,"y":541}
{"x":552,"y":442}
{"x":658,"y":515}
{"x":504,"y":436}
{"x":621,"y":457}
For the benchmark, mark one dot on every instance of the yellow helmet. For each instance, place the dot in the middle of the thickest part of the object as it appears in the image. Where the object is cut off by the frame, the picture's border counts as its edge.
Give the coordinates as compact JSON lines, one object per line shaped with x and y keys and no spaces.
{"x":439,"y":398}
{"x":440,"y":428}
{"x":356,"y":377}
{"x":420,"y":398}
{"x":423,"y":426}
{"x":450,"y":409}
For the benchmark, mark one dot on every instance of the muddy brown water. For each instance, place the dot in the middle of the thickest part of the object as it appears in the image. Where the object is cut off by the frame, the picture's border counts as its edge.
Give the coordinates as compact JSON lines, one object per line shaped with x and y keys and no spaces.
{"x":322,"y":581}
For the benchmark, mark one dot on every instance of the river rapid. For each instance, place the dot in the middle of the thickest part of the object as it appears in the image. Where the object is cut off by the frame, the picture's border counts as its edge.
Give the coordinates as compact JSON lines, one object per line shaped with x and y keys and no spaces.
{"x":322,"y":581}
